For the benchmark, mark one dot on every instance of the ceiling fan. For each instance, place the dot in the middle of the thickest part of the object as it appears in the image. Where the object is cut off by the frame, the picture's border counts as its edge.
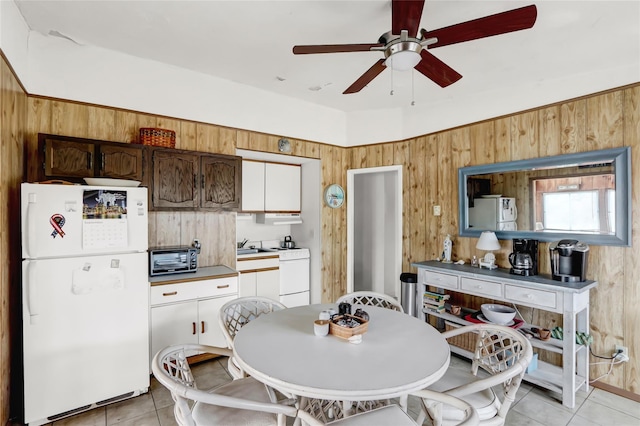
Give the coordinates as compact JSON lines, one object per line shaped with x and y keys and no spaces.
{"x":405,"y":47}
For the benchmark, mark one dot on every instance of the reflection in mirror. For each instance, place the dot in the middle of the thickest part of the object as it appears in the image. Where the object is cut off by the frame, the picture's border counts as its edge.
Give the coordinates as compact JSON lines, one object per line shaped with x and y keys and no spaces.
{"x":585,"y":196}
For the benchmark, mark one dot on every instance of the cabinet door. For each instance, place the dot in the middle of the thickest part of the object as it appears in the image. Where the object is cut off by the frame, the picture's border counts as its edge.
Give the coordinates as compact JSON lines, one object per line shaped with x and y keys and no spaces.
{"x":220,"y":179}
{"x":268,"y":284}
{"x":64,"y":158}
{"x":247,"y":286}
{"x":252,"y":186}
{"x":175,"y":179}
{"x":120,"y":162}
{"x":209,"y":325}
{"x":174,"y":324}
{"x":282,"y":188}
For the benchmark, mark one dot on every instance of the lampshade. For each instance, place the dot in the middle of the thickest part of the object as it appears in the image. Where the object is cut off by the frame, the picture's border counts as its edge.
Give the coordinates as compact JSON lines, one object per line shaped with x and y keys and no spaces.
{"x":488,"y":241}
{"x":403,"y":60}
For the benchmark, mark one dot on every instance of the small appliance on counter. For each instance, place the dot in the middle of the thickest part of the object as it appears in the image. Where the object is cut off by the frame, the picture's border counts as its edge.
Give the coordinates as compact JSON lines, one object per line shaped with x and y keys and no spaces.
{"x":524,"y":259}
{"x":173,"y":260}
{"x":569,"y":260}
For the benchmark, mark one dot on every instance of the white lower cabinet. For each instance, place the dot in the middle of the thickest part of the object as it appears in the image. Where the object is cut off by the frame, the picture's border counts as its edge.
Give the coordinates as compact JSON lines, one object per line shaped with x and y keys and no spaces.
{"x":187,"y":312}
{"x":265,"y":283}
{"x":259,"y":276}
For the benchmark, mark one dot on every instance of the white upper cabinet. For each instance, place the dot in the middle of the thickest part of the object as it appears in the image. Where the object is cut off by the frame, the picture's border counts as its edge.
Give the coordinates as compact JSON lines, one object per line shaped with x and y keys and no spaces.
{"x":252,"y":186}
{"x":282,"y":188}
{"x":270,"y":187}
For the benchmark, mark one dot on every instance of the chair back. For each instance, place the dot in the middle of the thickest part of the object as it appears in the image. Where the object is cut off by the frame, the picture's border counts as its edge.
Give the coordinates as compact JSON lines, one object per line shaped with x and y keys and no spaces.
{"x":371,"y":298}
{"x":238,"y":312}
{"x":501,"y":351}
{"x":171,"y":368}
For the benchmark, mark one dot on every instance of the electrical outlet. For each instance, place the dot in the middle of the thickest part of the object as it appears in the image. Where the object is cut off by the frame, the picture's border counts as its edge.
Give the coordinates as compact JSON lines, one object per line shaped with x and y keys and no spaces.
{"x":622,"y":353}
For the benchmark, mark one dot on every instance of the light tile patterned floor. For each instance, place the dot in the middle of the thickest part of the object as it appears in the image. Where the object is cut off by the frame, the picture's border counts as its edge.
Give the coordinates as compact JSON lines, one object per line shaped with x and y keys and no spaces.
{"x":533,"y":407}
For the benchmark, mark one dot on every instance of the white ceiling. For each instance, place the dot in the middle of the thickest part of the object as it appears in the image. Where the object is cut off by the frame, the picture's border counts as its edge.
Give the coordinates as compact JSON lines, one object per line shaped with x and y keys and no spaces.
{"x":250,"y":42}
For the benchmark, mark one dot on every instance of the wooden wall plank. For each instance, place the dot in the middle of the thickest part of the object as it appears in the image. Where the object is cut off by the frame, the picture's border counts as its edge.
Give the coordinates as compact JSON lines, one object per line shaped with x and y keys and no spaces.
{"x":631,"y":279}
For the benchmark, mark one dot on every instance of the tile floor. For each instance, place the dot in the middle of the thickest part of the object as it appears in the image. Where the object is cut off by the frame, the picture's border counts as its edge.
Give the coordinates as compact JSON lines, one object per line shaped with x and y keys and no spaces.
{"x":533,"y":407}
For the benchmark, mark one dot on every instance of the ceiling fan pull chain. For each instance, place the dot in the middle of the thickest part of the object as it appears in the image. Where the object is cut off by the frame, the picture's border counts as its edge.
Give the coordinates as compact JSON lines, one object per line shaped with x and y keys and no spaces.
{"x":413,"y":89}
{"x":391,"y":92}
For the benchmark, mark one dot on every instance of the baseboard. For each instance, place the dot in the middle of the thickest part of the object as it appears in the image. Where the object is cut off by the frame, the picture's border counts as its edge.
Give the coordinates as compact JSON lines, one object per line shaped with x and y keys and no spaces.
{"x":617,"y":391}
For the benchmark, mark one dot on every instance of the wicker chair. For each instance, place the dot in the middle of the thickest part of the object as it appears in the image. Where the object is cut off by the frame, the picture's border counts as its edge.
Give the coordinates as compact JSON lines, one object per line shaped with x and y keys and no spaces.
{"x":239,"y":402}
{"x":396,"y":416}
{"x":371,"y":298}
{"x":503,"y":354}
{"x":238,"y":312}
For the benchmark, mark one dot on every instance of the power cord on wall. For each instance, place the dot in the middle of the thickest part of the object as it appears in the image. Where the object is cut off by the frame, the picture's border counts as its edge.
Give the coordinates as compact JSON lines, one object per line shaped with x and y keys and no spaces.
{"x":612,"y":360}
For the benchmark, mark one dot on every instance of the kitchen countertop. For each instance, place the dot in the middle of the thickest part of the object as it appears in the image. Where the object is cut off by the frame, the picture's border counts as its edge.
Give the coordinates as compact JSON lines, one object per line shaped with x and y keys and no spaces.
{"x":203,"y":273}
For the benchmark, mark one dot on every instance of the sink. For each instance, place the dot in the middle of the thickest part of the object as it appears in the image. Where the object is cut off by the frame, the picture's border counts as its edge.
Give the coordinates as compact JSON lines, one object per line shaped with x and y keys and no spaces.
{"x":247,"y":250}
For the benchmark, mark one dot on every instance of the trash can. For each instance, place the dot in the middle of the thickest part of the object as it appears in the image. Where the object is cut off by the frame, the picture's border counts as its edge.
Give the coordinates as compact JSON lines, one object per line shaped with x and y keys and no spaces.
{"x":408,"y":288}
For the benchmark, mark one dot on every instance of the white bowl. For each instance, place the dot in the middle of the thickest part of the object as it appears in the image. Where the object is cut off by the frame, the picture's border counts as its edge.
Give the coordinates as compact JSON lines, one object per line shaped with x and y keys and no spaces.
{"x":498,"y":314}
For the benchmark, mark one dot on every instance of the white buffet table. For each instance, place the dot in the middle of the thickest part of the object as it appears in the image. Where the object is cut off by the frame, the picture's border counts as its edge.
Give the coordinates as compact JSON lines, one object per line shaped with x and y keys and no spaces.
{"x":398,"y":354}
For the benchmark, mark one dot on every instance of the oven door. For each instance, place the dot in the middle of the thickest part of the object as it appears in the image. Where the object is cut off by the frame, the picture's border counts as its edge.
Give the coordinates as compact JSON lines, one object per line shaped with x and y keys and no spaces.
{"x":294,"y":276}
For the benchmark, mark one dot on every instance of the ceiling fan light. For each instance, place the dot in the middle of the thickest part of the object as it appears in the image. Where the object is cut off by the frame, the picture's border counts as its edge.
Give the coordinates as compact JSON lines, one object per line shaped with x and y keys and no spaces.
{"x":403,"y":60}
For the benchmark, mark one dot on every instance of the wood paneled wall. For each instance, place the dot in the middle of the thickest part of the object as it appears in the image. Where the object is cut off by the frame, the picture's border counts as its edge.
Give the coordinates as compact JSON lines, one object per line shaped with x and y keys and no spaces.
{"x":430,"y":165}
{"x":13,"y":102}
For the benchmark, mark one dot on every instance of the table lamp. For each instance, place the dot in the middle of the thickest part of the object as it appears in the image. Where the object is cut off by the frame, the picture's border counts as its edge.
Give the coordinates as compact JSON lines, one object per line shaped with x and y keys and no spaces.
{"x":488,"y":242}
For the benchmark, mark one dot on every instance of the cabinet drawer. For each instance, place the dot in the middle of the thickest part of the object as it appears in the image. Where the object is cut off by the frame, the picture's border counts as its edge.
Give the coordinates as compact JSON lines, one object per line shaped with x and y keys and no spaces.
{"x":438,"y":280}
{"x":528,"y":296}
{"x":214,"y":287}
{"x":168,"y":293}
{"x":481,"y":287}
{"x":256,"y":263}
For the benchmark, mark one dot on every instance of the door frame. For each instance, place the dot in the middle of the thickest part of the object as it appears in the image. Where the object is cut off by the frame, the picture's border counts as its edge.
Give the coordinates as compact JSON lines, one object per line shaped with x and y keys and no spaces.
{"x":351,"y":173}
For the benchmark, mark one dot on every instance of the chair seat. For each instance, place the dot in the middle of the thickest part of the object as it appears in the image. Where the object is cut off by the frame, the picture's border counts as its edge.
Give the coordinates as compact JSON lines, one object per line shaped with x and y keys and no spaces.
{"x":485,"y":401}
{"x":247,"y":388}
{"x":389,"y":415}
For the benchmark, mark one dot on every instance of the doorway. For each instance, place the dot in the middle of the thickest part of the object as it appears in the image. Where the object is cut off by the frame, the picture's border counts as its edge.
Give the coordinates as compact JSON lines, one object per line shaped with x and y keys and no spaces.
{"x":374,"y":230}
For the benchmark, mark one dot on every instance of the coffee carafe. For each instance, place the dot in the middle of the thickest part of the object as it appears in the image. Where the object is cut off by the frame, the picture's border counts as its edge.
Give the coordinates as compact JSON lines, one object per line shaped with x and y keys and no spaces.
{"x":524,"y":259}
{"x":569,"y":260}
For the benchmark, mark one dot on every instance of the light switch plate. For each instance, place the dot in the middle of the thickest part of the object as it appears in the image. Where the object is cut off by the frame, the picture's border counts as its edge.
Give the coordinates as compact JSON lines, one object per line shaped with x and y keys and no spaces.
{"x":436,"y":210}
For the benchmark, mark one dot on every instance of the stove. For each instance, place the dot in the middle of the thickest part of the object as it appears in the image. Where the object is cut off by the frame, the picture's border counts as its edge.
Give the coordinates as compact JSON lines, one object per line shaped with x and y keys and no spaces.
{"x":294,"y":273}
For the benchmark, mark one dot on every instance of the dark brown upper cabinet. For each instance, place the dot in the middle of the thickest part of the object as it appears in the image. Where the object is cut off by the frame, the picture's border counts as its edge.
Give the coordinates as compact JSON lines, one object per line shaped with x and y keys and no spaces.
{"x":188,"y":180}
{"x":69,"y":158}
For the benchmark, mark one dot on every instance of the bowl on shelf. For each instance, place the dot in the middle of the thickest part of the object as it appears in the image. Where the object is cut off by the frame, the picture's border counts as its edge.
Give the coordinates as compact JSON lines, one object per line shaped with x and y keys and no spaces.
{"x":498,"y":314}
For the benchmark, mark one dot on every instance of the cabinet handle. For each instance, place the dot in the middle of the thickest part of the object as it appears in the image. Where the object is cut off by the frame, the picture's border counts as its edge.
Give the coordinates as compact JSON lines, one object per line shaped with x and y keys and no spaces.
{"x":202,"y":181}
{"x":224,"y":286}
{"x":479,"y":286}
{"x":171,"y":293}
{"x":195,"y":181}
{"x":529,"y":296}
{"x":89,"y":161}
{"x":202,"y":327}
{"x":194,"y":327}
{"x":102,"y":161}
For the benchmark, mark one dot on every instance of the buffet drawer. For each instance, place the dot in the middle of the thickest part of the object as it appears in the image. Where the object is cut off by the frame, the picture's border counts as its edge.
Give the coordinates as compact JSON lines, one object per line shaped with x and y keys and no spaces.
{"x":481,"y":287}
{"x":531,"y":296}
{"x":438,"y":279}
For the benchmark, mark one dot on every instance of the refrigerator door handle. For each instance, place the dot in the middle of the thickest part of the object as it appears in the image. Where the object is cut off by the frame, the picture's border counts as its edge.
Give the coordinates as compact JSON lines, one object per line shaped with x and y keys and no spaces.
{"x":30,"y":238}
{"x":32,"y":297}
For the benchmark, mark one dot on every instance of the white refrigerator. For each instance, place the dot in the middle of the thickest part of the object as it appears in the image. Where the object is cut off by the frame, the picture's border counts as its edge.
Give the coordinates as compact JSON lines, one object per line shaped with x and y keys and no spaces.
{"x":493,"y":213}
{"x":85,"y":297}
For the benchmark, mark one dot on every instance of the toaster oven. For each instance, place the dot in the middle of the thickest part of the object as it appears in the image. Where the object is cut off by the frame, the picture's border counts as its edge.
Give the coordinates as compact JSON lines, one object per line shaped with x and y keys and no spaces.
{"x":172,"y":260}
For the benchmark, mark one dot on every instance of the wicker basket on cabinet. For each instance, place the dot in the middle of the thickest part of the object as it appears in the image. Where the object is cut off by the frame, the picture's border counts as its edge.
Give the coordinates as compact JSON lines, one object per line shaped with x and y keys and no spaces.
{"x":157,"y":137}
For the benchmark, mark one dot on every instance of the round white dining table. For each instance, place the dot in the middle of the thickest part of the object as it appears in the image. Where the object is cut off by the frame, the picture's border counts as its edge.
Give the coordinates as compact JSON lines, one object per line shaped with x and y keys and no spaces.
{"x":398,"y":354}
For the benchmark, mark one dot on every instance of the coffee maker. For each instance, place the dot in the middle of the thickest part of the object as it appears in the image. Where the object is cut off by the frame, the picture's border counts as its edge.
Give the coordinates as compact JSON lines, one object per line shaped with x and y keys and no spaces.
{"x":524,"y":259}
{"x":569,"y":260}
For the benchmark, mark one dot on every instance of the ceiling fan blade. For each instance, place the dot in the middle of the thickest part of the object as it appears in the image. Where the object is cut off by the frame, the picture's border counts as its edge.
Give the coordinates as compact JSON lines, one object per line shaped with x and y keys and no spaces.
{"x":500,"y":23}
{"x":405,"y":15}
{"x":334,"y":48}
{"x":366,"y":78}
{"x":436,"y":70}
